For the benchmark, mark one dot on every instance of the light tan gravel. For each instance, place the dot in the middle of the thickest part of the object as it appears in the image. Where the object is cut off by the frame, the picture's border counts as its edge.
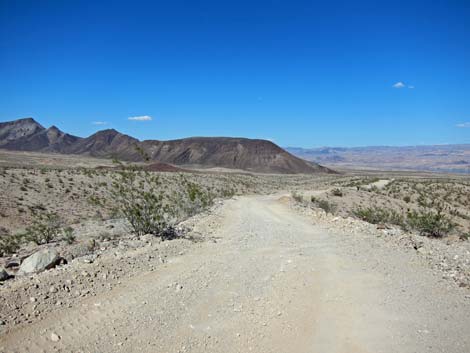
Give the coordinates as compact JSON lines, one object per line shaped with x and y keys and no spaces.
{"x":267,"y":279}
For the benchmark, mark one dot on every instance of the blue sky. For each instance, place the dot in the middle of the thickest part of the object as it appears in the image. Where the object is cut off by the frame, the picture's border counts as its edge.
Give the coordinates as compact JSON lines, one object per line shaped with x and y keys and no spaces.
{"x":299,"y":73}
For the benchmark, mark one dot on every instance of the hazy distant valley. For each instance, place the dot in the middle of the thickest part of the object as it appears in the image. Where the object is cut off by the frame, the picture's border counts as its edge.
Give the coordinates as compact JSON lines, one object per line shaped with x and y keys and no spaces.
{"x":439,"y":158}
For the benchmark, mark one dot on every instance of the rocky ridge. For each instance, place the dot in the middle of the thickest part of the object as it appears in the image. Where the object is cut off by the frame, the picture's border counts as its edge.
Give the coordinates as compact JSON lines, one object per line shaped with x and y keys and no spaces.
{"x":251,"y":155}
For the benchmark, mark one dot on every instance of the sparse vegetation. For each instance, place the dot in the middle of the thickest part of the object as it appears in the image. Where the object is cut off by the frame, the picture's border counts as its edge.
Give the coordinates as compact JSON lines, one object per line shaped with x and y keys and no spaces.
{"x":337,"y":192}
{"x":377,"y":215}
{"x":326,"y":206}
{"x":9,"y":243}
{"x":68,"y":235}
{"x":141,"y":201}
{"x":431,"y":223}
{"x":297,"y":197}
{"x":45,"y":227}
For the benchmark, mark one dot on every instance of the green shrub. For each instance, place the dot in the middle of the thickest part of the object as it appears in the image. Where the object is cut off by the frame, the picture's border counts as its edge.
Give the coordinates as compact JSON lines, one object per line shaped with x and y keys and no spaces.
{"x":326,"y":206}
{"x":430,"y":223}
{"x":297,"y":197}
{"x":337,"y":192}
{"x":139,"y":198}
{"x":377,"y":215}
{"x":407,"y":199}
{"x":9,"y":243}
{"x":68,"y":235}
{"x":45,"y":227}
{"x":193,"y":200}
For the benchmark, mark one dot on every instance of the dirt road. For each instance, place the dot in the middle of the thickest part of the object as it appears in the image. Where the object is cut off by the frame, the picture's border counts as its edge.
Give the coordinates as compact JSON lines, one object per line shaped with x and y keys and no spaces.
{"x":270,"y":281}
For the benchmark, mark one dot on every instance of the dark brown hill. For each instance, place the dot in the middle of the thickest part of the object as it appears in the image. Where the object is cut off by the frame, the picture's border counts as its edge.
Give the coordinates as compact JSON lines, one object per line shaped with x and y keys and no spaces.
{"x":235,"y":153}
{"x":109,"y":144}
{"x":29,"y":135}
{"x":204,"y":152}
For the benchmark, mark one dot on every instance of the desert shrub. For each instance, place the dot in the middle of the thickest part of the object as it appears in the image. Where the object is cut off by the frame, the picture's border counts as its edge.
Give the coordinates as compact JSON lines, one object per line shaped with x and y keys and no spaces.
{"x":95,"y":200}
{"x":431,"y":223}
{"x":9,"y":243}
{"x":68,"y":235}
{"x":337,"y":192}
{"x":465,"y":236}
{"x":228,"y":192}
{"x":297,"y":197}
{"x":326,"y":206}
{"x":378,"y":215}
{"x":193,"y":200}
{"x":407,"y":199}
{"x":139,"y":198}
{"x":45,"y":227}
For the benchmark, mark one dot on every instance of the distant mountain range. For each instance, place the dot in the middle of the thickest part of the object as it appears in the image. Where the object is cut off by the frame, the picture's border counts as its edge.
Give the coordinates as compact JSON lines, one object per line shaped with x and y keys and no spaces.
{"x":206,"y":152}
{"x":441,"y":158}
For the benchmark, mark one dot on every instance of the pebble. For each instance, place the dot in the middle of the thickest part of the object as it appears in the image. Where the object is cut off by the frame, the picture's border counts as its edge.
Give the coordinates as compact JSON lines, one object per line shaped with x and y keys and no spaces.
{"x":55,"y":337}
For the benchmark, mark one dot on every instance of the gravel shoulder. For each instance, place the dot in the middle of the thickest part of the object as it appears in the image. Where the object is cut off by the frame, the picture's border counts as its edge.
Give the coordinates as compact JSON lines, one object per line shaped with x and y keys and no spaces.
{"x":267,"y":278}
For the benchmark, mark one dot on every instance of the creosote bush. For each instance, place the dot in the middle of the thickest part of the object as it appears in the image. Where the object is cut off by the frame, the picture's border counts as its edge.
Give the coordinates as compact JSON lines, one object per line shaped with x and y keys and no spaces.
{"x":45,"y":227}
{"x":9,"y":243}
{"x":326,"y":206}
{"x":377,"y":215}
{"x":297,"y":197}
{"x":337,"y":192}
{"x":431,"y":223}
{"x":193,"y":200}
{"x":140,"y":199}
{"x":68,"y":235}
{"x":428,"y":222}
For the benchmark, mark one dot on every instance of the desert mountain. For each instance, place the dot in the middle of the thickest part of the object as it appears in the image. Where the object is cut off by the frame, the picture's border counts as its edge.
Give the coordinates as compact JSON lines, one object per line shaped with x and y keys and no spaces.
{"x":107,"y":143}
{"x":28,"y":135}
{"x":236,"y":153}
{"x":206,"y":152}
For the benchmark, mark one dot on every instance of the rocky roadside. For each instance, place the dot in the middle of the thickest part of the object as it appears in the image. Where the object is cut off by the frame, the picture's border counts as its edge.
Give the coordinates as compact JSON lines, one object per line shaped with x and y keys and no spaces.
{"x":94,"y":267}
{"x":450,"y":257}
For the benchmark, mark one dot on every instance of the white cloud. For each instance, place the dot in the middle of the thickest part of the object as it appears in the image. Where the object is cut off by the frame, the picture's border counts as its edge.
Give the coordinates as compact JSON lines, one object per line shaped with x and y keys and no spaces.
{"x":100,"y":123}
{"x":464,"y":125}
{"x":140,"y":118}
{"x":399,"y":85}
{"x":411,"y":87}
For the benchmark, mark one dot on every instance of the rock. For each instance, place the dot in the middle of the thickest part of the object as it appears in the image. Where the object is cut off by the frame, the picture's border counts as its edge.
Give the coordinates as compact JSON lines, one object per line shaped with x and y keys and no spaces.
{"x":55,"y":337}
{"x":41,"y":260}
{"x":4,"y":275}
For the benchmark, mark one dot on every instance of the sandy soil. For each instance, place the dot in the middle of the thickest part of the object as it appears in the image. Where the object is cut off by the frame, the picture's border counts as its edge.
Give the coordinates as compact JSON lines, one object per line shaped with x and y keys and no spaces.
{"x":267,"y":279}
